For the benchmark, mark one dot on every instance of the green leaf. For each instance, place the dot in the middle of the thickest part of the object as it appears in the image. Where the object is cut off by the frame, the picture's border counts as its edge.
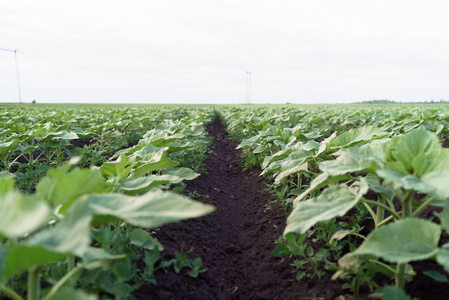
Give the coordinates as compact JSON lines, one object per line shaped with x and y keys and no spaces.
{"x":6,"y":183}
{"x":403,"y":241}
{"x":20,"y":214}
{"x":409,"y":146}
{"x":438,"y":180}
{"x":92,"y":254}
{"x":141,"y":238}
{"x":22,"y":257}
{"x":289,"y":169}
{"x":437,"y":276}
{"x":365,"y":133}
{"x":60,"y":186}
{"x":318,"y":182}
{"x":8,"y":146}
{"x":443,"y":258}
{"x":157,"y":162}
{"x":333,"y":202}
{"x":151,"y":210}
{"x":357,"y":159}
{"x":177,"y":147}
{"x":70,"y":235}
{"x":444,"y":217}
{"x":116,"y":168}
{"x":395,"y":293}
{"x":71,"y":294}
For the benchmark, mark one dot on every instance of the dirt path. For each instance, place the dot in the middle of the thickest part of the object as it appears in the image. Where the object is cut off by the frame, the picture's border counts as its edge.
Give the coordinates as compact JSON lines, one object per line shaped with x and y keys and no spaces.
{"x":235,"y":242}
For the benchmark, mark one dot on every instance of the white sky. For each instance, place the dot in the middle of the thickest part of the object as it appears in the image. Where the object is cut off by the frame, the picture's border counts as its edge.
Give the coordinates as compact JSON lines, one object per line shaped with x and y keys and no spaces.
{"x":198,"y":51}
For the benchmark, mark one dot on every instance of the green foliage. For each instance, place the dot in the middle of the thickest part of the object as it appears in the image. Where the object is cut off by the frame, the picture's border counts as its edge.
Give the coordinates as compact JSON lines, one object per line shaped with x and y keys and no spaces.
{"x":79,"y":230}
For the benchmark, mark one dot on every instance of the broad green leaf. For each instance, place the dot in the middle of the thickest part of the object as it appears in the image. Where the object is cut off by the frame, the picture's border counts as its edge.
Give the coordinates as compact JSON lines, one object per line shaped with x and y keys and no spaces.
{"x":378,"y":187}
{"x":443,"y":258}
{"x":60,"y":135}
{"x":141,"y":238}
{"x":144,"y":184}
{"x":409,"y":182}
{"x":6,"y":183}
{"x":248,"y":142}
{"x":333,"y":202}
{"x":147,"y":152}
{"x":115,"y":168}
{"x":365,"y":133}
{"x":418,"y":149}
{"x":62,"y":187}
{"x":151,"y":210}
{"x":71,"y":294}
{"x":183,"y":173}
{"x":176,"y":147}
{"x":70,"y":235}
{"x":92,"y":254}
{"x":22,"y":257}
{"x":288,"y":170}
{"x":21,"y":214}
{"x":357,"y":159}
{"x":158,"y":162}
{"x":437,"y":276}
{"x":277,"y":156}
{"x":290,"y":164}
{"x":341,"y":234}
{"x":406,"y":240}
{"x":438,"y":180}
{"x":395,"y":293}
{"x":8,"y":146}
{"x":318,"y":182}
{"x":444,"y":217}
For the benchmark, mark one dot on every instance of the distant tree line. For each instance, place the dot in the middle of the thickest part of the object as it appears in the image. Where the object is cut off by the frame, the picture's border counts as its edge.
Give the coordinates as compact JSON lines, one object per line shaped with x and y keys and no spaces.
{"x":385,"y":101}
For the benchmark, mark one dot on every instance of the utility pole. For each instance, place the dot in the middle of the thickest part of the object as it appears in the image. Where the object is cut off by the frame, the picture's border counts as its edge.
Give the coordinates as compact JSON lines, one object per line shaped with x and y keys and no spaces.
{"x":248,"y":88}
{"x":17,"y":70}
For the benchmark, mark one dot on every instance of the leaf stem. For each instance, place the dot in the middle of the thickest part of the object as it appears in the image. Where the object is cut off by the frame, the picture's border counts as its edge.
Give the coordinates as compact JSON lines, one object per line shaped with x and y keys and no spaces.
{"x":33,"y":283}
{"x":388,"y":209}
{"x":10,"y":292}
{"x":407,"y":204}
{"x":400,"y":275}
{"x":422,"y":206}
{"x":385,"y":221}
{"x":383,"y":265}
{"x":63,"y":280}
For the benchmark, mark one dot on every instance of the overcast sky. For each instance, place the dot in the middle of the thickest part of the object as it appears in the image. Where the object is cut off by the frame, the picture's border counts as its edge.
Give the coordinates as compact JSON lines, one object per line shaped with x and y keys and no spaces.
{"x":198,"y":51}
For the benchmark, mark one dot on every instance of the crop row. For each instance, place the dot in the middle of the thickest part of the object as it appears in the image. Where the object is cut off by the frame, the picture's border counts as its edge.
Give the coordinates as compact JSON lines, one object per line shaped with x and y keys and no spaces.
{"x":83,"y":230}
{"x":357,"y":178}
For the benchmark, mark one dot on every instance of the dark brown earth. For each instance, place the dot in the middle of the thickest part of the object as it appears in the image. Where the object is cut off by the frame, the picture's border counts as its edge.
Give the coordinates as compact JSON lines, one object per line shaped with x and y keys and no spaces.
{"x":236,"y":241}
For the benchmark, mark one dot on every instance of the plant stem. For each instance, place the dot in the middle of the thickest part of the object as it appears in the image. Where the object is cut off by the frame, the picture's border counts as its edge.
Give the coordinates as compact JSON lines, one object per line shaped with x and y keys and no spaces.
{"x":70,"y":267}
{"x":371,"y":212}
{"x":33,"y":283}
{"x":388,"y":209}
{"x":422,"y":206}
{"x":407,"y":204}
{"x":70,"y":262}
{"x":380,"y":211}
{"x":400,"y":275}
{"x":385,"y":266}
{"x":406,"y":212}
{"x":10,"y":292}
{"x":385,"y":221}
{"x":63,"y":280}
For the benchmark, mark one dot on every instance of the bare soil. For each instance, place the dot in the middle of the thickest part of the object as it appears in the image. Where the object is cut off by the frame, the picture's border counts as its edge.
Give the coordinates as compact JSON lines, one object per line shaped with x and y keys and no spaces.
{"x":235,"y":242}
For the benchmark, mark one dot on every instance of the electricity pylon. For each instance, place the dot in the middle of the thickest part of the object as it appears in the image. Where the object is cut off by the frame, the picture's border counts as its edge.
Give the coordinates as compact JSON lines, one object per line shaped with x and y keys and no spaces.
{"x":17,"y":71}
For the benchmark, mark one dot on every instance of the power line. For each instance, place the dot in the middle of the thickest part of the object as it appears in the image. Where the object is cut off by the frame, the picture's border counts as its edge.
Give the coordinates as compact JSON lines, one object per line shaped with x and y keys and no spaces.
{"x":17,"y":70}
